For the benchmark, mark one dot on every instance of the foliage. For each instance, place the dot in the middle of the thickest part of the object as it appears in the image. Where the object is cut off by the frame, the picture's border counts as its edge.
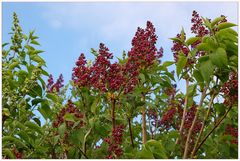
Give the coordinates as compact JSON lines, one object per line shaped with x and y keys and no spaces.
{"x":131,"y":108}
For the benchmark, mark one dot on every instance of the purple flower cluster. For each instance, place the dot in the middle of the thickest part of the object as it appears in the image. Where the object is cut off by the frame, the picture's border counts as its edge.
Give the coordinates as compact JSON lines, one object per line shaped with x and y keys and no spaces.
{"x":142,"y":55}
{"x":104,"y":76}
{"x":177,"y":47}
{"x":198,"y":28}
{"x":189,"y":117}
{"x":114,"y":143}
{"x":168,"y":118}
{"x":230,"y":130}
{"x":51,"y":86}
{"x":230,"y":90}
{"x":81,"y":74}
{"x":71,"y":109}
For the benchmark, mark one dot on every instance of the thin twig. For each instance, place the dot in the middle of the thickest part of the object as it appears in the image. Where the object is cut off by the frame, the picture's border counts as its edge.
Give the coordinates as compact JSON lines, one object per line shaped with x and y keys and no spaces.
{"x":83,"y":153}
{"x":130,"y":131}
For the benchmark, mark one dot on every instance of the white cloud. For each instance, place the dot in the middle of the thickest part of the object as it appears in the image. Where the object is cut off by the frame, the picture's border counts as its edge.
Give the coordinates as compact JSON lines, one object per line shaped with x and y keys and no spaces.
{"x":116,"y":23}
{"x":56,"y":23}
{"x":115,"y":20}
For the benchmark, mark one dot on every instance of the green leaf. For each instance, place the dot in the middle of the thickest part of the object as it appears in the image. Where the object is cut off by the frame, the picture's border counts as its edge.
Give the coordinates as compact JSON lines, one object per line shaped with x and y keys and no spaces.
{"x":92,"y":122}
{"x":24,"y":136}
{"x":168,"y":63}
{"x":13,"y":65}
{"x":176,"y":40}
{"x":36,"y":101}
{"x":55,"y":139}
{"x":102,"y":130}
{"x":203,"y":47}
{"x":35,"y":52}
{"x":45,"y":110}
{"x":61,"y":130}
{"x":24,"y":36}
{"x":182,"y":36}
{"x":212,"y":44}
{"x":34,"y":42}
{"x":69,"y":117}
{"x":234,"y":59}
{"x":145,"y":154}
{"x":4,"y":44}
{"x":36,"y":91}
{"x":42,"y":83}
{"x":21,"y":76}
{"x":37,"y":59}
{"x":52,"y":96}
{"x":33,"y":126}
{"x":206,"y":22}
{"x":216,"y":20}
{"x":220,"y":108}
{"x":219,"y":58}
{"x":30,"y":48}
{"x":140,"y":103}
{"x":19,"y":125}
{"x":192,"y":40}
{"x":225,"y":25}
{"x":156,"y":148}
{"x":72,"y":153}
{"x":76,"y":137}
{"x":206,"y":68}
{"x":31,"y":34}
{"x":173,"y":134}
{"x":182,"y":60}
{"x":94,"y":52}
{"x":76,"y":124}
{"x":142,"y":77}
{"x":192,"y":90}
{"x":10,"y":139}
{"x":94,"y":106}
{"x":203,"y":58}
{"x":34,"y":37}
{"x":230,"y":31}
{"x":205,"y":38}
{"x":44,"y":72}
{"x":37,"y":121}
{"x":6,"y":112}
{"x":170,"y":75}
{"x":198,"y":76}
{"x":9,"y":153}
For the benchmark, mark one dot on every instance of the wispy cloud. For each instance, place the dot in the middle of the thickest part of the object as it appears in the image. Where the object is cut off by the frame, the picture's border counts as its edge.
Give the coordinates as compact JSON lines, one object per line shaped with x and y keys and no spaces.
{"x":116,"y":23}
{"x":118,"y":20}
{"x":55,"y":23}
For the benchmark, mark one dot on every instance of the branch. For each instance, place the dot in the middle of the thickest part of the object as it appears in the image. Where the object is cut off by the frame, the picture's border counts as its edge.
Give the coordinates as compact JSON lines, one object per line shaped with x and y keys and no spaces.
{"x":130,"y":130}
{"x":215,"y":126}
{"x":113,"y":113}
{"x":202,"y":127}
{"x":83,"y":153}
{"x":83,"y":100}
{"x":184,"y":110}
{"x":144,"y":130}
{"x":150,"y":128}
{"x":193,"y":124}
{"x":85,"y":139}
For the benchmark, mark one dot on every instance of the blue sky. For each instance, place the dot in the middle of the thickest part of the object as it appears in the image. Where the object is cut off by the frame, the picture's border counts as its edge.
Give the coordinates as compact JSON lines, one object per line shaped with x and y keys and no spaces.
{"x":68,"y":29}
